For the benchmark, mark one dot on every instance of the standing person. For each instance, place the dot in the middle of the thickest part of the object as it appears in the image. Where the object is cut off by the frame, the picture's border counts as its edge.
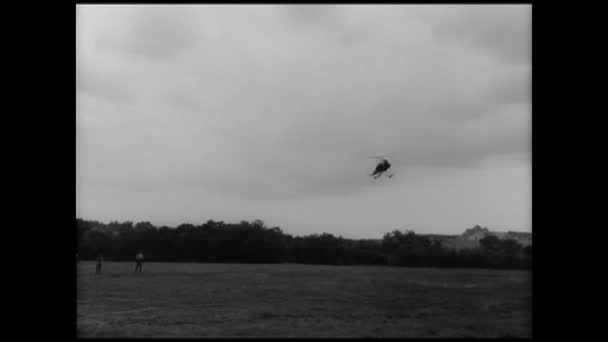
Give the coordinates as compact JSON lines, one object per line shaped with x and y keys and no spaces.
{"x":139,"y":259}
{"x":99,"y":264}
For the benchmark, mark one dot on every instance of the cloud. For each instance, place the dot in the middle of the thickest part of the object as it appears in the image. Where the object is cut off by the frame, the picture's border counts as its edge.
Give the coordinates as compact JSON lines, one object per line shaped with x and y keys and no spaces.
{"x":291,"y":102}
{"x":502,"y":31}
{"x":513,"y":88}
{"x":344,"y":25}
{"x":155,"y":32}
{"x":310,"y":15}
{"x":104,"y":86}
{"x":322,"y":158}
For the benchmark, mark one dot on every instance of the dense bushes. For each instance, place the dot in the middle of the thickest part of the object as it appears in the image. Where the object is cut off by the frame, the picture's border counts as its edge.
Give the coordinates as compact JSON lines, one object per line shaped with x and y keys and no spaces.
{"x":252,"y":242}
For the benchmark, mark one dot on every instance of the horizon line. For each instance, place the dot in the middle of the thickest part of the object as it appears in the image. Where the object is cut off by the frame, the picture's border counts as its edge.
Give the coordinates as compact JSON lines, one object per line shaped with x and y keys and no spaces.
{"x":296,"y":235}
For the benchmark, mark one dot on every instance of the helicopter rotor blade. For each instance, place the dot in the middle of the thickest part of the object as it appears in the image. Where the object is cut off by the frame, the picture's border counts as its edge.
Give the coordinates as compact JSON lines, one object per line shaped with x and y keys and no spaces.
{"x":384,"y":156}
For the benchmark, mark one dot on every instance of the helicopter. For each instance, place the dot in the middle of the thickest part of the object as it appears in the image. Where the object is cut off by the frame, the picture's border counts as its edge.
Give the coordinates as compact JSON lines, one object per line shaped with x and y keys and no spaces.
{"x":382,"y":167}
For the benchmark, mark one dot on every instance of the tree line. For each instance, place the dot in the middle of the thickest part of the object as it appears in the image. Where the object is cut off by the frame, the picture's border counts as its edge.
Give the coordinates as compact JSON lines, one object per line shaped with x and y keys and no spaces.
{"x":253,"y":242}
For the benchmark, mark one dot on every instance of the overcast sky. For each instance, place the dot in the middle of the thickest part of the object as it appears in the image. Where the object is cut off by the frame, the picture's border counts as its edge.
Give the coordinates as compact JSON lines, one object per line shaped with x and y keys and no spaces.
{"x":238,"y":112}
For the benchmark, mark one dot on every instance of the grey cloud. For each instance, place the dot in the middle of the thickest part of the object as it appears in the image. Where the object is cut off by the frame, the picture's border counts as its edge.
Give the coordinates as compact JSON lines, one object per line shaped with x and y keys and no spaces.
{"x":328,"y":155}
{"x":318,"y":159}
{"x":104,"y":86}
{"x":455,"y":109}
{"x":444,"y":145}
{"x":155,"y":32}
{"x":303,"y":123}
{"x":184,"y":101}
{"x":514,"y":88}
{"x":310,"y":14}
{"x":465,"y":151}
{"x":502,"y":31}
{"x":327,"y":20}
{"x":292,"y":185}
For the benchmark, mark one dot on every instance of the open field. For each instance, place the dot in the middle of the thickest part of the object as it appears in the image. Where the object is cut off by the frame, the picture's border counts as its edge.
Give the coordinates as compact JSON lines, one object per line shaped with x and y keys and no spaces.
{"x":287,"y":300}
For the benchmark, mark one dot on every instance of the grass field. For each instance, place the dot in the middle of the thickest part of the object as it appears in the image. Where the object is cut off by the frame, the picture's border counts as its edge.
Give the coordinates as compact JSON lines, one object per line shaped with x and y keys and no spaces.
{"x":199,"y":300}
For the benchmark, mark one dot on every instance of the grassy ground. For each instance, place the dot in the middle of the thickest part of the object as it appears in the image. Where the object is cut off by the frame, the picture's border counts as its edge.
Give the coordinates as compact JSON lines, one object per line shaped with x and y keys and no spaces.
{"x":184,"y":300}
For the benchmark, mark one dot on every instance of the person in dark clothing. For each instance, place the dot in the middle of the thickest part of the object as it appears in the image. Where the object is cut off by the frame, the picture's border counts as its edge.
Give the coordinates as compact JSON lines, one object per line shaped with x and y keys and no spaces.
{"x":139,"y":259}
{"x":99,"y":264}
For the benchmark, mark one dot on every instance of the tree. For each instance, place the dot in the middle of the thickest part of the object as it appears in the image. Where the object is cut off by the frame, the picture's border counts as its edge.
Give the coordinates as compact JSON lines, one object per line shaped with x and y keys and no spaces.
{"x":253,"y":242}
{"x":512,"y":248}
{"x":490,"y":243}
